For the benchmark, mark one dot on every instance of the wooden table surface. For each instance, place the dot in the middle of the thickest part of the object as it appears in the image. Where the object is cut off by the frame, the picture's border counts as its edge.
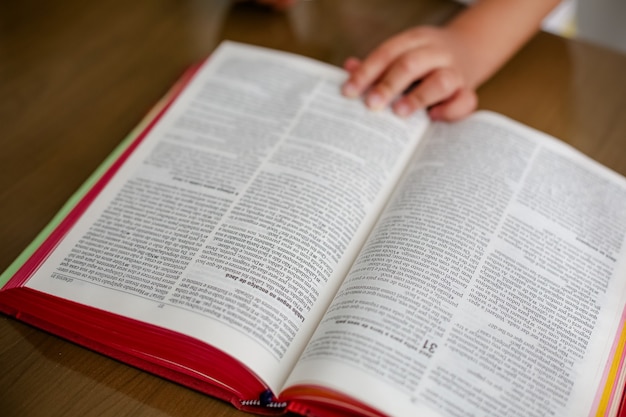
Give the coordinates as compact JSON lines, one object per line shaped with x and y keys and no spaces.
{"x":77,"y":76}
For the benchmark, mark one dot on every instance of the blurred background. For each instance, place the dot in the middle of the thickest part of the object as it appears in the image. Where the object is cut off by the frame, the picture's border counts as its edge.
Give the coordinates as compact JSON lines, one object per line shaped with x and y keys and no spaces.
{"x":602,"y":22}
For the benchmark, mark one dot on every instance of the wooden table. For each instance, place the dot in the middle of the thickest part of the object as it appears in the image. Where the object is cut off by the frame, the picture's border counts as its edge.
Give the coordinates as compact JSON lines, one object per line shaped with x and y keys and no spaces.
{"x":76,"y":77}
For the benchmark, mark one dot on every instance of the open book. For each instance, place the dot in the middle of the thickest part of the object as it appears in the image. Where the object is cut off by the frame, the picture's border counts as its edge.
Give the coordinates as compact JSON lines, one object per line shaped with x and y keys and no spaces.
{"x":266,"y":241}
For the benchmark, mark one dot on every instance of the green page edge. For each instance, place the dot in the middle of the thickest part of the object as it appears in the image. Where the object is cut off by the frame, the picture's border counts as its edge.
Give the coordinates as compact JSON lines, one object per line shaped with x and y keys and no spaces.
{"x":77,"y":196}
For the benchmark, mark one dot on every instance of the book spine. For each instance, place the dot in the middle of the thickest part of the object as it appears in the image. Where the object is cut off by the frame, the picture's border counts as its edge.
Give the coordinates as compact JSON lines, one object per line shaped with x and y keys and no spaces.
{"x":265,"y":400}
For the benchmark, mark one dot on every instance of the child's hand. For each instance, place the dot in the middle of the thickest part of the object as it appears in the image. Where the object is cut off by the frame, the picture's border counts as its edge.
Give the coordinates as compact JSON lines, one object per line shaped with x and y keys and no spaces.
{"x":434,"y":58}
{"x":449,"y":63}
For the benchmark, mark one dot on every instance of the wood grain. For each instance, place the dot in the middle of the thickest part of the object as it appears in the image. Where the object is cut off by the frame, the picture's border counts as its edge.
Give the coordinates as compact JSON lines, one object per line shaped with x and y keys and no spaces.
{"x":76,"y":77}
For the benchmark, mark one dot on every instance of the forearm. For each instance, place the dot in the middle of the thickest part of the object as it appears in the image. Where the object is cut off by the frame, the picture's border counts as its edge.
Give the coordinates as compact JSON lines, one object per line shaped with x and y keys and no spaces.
{"x":493,"y":30}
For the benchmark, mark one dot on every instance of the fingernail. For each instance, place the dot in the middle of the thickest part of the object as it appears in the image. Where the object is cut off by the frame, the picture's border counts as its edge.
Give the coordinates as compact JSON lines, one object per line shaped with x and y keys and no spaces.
{"x":402,"y":109}
{"x":350,"y":90}
{"x":374,"y":101}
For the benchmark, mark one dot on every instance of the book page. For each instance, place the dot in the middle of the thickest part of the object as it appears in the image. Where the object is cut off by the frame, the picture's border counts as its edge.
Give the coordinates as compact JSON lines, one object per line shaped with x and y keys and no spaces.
{"x":492,"y":285}
{"x":240,"y":213}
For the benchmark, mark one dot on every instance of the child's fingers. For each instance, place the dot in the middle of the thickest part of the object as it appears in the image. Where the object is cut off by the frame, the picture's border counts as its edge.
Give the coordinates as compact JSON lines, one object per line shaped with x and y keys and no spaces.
{"x":457,"y":107}
{"x":409,"y":67}
{"x":351,"y":64}
{"x":437,"y":87}
{"x":376,"y":64}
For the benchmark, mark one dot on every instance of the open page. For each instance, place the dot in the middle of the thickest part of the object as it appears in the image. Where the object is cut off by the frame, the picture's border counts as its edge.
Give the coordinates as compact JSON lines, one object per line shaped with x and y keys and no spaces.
{"x":493,"y":284}
{"x":240,"y":213}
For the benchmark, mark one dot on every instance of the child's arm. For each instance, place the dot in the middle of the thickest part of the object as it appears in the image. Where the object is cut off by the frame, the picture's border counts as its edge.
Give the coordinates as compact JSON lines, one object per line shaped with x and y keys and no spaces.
{"x":450,"y":62}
